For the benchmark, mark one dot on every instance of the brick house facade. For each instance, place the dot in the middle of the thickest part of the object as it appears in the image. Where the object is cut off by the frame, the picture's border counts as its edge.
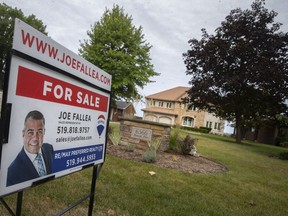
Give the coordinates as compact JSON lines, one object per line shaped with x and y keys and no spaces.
{"x":269,"y":134}
{"x":123,"y":109}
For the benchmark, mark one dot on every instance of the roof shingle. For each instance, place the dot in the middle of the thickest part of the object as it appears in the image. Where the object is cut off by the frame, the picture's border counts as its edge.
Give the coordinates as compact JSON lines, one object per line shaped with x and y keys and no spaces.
{"x":173,"y":94}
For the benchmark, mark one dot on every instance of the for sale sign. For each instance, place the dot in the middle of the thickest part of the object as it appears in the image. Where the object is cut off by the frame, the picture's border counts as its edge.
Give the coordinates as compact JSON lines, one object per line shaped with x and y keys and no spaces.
{"x":59,"y":112}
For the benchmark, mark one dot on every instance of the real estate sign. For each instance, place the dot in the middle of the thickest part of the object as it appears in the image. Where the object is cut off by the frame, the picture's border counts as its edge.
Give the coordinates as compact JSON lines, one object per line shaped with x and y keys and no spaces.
{"x":72,"y":94}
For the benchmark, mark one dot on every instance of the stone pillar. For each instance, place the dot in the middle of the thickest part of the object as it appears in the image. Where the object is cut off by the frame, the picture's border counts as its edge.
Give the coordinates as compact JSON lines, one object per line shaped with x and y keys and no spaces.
{"x":140,"y":132}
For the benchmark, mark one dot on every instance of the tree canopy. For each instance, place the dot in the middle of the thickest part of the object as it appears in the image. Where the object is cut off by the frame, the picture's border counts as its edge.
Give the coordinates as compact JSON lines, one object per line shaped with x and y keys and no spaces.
{"x":241,"y":72}
{"x":118,"y":47}
{"x":7,"y":19}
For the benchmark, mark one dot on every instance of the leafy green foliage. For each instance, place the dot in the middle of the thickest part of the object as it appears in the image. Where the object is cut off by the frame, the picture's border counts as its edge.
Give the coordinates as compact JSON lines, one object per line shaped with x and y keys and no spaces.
{"x":187,"y":144}
{"x":241,"y":72}
{"x":283,"y":120}
{"x":118,"y":47}
{"x":7,"y":19}
{"x":283,"y":155}
{"x":174,"y":139}
{"x":149,"y":156}
{"x":114,"y":134}
{"x":114,"y":137}
{"x":130,"y":147}
{"x":154,"y":144}
{"x":200,"y":130}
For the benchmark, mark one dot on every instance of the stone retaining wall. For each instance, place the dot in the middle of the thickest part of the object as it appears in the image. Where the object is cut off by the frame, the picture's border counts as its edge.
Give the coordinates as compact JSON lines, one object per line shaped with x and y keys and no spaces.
{"x":140,"y":132}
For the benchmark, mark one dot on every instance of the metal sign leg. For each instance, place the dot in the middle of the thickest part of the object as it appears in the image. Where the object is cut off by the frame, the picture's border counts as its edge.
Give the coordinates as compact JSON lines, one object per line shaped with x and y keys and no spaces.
{"x":19,"y":203}
{"x":18,"y":207}
{"x":95,"y":174}
{"x":96,"y":171}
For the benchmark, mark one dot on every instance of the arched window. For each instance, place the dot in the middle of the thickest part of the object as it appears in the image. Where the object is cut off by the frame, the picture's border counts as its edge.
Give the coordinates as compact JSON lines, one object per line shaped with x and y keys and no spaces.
{"x":188,"y":121}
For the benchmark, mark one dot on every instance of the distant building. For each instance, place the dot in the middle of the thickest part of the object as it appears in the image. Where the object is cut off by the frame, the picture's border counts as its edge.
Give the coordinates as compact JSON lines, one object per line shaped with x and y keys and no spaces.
{"x":269,"y":134}
{"x":123,"y":109}
{"x":167,"y":107}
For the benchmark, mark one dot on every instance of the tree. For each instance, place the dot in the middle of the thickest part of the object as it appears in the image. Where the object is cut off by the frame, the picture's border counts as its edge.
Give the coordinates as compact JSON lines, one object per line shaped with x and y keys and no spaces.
{"x":241,"y":72}
{"x":7,"y":19}
{"x":118,"y":47}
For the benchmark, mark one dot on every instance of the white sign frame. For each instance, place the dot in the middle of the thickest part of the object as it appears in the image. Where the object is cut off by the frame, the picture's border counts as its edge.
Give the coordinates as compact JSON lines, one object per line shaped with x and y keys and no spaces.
{"x":75,"y":111}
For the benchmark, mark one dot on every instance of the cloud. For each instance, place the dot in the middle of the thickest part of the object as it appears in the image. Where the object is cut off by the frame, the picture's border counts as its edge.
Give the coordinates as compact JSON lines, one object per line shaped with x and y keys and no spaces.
{"x":167,"y":26}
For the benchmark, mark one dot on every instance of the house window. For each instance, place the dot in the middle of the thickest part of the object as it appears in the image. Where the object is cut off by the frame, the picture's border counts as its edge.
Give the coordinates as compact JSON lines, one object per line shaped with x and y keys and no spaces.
{"x":160,"y":103}
{"x":190,"y":107}
{"x":194,"y":108}
{"x":188,"y":121}
{"x":209,"y":124}
{"x":169,"y":105}
{"x":216,"y":126}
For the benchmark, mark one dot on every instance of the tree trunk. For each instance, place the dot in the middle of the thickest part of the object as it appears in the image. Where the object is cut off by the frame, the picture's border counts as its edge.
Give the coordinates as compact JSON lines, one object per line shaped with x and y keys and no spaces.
{"x":238,"y":129}
{"x":255,"y":135}
{"x":238,"y":134}
{"x":276,"y":134}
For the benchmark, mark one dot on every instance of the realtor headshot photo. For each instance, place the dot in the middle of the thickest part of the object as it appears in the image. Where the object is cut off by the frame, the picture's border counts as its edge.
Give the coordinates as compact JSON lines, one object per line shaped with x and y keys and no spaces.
{"x":35,"y":158}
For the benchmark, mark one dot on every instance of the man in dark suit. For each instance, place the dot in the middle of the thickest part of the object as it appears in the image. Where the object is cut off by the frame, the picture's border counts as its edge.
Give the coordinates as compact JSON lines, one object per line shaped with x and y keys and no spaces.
{"x":35,"y":159}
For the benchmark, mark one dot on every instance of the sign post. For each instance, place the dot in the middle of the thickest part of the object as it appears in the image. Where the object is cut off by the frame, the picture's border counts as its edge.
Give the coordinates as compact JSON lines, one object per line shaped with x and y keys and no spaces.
{"x":58,"y":108}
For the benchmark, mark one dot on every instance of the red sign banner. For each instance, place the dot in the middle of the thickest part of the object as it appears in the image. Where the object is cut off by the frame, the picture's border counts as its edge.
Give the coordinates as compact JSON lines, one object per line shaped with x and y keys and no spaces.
{"x":33,"y":84}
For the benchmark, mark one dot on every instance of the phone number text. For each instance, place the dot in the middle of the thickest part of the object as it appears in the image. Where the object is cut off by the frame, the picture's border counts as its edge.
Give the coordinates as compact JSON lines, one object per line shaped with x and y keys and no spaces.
{"x":69,"y":130}
{"x":80,"y":160}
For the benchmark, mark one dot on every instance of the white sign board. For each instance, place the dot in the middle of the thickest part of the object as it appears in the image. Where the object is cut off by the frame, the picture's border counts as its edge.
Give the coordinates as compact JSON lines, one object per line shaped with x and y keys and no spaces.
{"x":33,"y":43}
{"x":76,"y":114}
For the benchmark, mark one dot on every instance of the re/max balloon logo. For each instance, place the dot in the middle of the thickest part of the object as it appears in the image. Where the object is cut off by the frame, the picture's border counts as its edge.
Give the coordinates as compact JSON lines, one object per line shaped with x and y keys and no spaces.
{"x":100,"y":124}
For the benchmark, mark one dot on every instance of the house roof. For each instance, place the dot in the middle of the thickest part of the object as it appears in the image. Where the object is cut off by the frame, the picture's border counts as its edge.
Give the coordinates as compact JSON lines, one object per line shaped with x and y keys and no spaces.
{"x":173,"y":94}
{"x":122,"y":105}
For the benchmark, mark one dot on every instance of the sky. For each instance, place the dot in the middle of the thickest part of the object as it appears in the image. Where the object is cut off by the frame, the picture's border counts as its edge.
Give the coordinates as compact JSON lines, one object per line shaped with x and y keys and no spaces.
{"x":167,"y":25}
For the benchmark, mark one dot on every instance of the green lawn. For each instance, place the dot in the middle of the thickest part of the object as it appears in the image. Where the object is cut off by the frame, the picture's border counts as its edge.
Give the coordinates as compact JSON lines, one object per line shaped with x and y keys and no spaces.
{"x":256,"y":184}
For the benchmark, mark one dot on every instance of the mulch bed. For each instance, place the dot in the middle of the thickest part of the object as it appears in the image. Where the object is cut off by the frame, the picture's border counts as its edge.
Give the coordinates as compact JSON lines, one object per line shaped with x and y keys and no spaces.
{"x":184,"y":163}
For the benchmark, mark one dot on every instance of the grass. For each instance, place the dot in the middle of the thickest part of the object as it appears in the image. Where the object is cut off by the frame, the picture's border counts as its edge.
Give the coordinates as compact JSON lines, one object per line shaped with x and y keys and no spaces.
{"x":114,"y":135}
{"x":256,"y":184}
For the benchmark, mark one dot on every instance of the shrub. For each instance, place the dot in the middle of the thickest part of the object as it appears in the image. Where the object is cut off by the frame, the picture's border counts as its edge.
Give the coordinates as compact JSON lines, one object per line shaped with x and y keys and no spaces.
{"x":200,"y":130}
{"x":187,"y":145}
{"x":154,"y":144}
{"x":208,"y":130}
{"x":114,"y":137}
{"x":284,"y":144}
{"x":110,"y":130}
{"x":283,"y":156}
{"x":174,"y":139}
{"x":149,"y":156}
{"x":130,"y":147}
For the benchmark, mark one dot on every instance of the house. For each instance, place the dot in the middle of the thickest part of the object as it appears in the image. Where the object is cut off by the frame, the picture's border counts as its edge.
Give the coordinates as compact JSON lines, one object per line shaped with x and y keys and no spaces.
{"x":123,"y":109}
{"x":167,"y":107}
{"x":272,"y":134}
